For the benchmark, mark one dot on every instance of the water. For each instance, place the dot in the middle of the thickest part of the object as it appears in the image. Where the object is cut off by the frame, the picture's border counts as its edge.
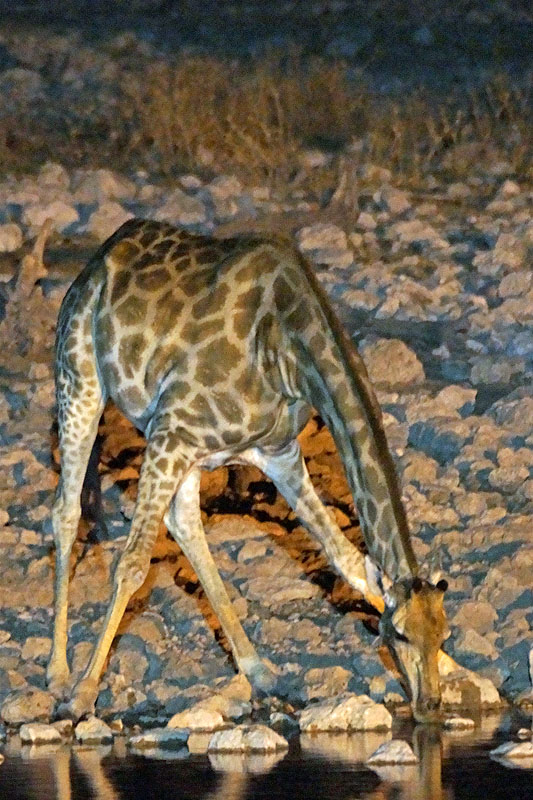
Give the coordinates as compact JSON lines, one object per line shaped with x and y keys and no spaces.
{"x":453,"y":766}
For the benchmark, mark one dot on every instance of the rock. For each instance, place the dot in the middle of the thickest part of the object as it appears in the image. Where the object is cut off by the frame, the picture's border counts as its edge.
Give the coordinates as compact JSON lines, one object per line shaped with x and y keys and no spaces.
{"x":106,"y":219}
{"x":198,"y":718}
{"x":477,"y":615}
{"x":21,"y":85}
{"x":514,"y":750}
{"x":181,"y":209}
{"x":276,"y":591}
{"x":509,"y":189}
{"x":93,"y":731}
{"x":459,"y":723}
{"x":366,"y":221}
{"x":10,"y":237}
{"x":247,"y":738}
{"x":39,"y":733}
{"x":162,"y":738}
{"x":467,"y":689}
{"x":469,"y":641}
{"x":23,"y":706}
{"x":416,"y":231}
{"x":101,"y":185}
{"x":423,"y":36}
{"x":395,"y":751}
{"x":37,"y":649}
{"x":391,"y":363}
{"x":325,"y":244}
{"x":509,"y":253}
{"x":54,"y":176}
{"x":394,"y":200}
{"x":225,"y":193}
{"x":348,"y":712}
{"x":62,"y":215}
{"x":326,"y":682}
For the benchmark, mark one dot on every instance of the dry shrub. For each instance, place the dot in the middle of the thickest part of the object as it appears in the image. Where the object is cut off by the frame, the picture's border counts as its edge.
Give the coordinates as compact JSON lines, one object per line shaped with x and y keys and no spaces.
{"x":253,"y":119}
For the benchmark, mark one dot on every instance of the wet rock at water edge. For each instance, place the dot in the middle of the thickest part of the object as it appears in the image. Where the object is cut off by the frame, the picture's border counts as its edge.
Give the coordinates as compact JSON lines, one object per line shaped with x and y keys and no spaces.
{"x":348,"y":712}
{"x":396,"y":751}
{"x":198,"y":719}
{"x":160,"y":738}
{"x":247,"y":738}
{"x":93,"y":731}
{"x":39,"y":733}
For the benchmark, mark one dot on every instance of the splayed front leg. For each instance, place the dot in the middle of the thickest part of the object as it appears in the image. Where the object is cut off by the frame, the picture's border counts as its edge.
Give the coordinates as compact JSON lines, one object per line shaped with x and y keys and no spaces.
{"x":185,"y":524}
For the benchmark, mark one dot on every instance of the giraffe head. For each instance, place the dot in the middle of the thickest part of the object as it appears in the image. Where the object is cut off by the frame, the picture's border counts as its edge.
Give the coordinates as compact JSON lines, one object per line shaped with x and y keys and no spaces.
{"x":413,"y":626}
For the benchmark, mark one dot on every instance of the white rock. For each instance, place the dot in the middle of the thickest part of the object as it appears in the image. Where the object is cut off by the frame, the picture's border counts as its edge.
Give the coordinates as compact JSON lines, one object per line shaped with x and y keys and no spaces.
{"x":396,"y":751}
{"x":197,"y":719}
{"x":10,"y":237}
{"x":415,"y":230}
{"x":181,"y":209}
{"x":164,"y":738}
{"x":392,"y":362}
{"x":54,"y":176}
{"x":39,"y":733}
{"x":514,"y":750}
{"x":106,"y":219}
{"x":509,"y":189}
{"x":101,"y":185}
{"x":93,"y":731}
{"x":322,"y":236}
{"x":62,"y":215}
{"x":247,"y":738}
{"x":349,"y":712}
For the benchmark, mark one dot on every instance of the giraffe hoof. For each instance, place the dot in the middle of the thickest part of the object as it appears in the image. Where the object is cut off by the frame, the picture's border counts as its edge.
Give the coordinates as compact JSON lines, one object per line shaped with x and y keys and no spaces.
{"x":80,"y":705}
{"x":263,"y":679}
{"x":59,"y":685}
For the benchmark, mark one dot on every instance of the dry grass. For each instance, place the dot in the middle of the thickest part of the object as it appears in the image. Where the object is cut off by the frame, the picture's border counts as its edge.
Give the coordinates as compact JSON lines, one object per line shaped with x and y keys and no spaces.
{"x":253,"y":119}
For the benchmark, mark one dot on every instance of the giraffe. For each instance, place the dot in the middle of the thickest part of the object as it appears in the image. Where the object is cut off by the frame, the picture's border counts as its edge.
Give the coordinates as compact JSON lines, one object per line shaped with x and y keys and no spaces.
{"x":218,"y":350}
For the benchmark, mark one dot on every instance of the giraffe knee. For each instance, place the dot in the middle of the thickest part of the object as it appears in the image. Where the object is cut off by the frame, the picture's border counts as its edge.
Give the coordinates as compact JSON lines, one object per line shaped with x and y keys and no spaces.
{"x":131,"y":572}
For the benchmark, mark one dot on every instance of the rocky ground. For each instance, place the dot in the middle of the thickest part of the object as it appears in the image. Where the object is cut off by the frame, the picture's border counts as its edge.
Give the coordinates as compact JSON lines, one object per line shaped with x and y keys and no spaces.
{"x":436,"y":287}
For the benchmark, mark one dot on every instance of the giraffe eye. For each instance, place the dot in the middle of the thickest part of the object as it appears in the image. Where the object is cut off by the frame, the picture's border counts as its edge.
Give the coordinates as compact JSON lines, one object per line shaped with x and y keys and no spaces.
{"x":400,"y":637}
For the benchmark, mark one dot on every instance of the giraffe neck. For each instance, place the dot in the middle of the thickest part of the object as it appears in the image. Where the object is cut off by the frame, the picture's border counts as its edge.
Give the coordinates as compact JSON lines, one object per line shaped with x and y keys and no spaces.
{"x":331,"y":376}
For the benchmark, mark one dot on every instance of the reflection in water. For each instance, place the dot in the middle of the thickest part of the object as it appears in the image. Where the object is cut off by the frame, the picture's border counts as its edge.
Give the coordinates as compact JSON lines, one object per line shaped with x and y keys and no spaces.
{"x":451,"y":766}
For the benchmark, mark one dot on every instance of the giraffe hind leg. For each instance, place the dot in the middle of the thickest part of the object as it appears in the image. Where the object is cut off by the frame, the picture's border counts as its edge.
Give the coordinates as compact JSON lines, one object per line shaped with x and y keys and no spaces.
{"x":80,"y":405}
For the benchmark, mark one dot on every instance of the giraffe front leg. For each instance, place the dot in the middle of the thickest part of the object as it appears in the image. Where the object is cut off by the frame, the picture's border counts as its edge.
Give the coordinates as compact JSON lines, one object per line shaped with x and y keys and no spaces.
{"x":185,"y":525}
{"x":157,"y":484}
{"x":287,"y":470}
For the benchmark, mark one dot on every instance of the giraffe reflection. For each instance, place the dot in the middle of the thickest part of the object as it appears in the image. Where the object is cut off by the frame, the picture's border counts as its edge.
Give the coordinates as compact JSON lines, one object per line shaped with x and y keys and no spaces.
{"x":85,"y":770}
{"x":422,"y":781}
